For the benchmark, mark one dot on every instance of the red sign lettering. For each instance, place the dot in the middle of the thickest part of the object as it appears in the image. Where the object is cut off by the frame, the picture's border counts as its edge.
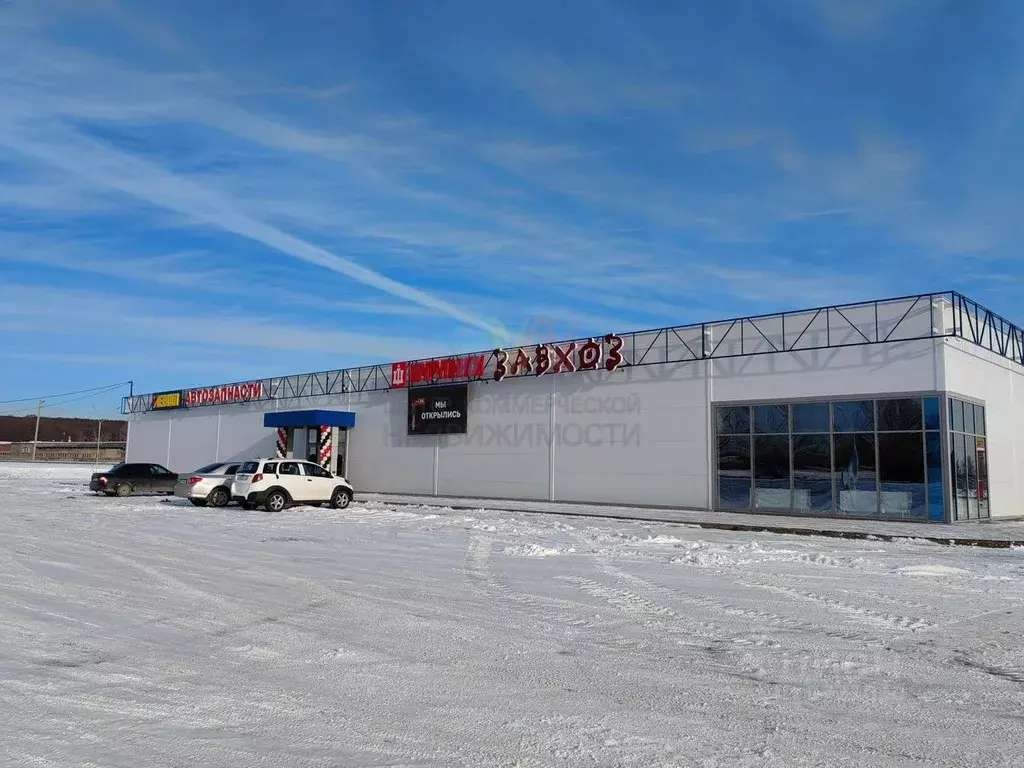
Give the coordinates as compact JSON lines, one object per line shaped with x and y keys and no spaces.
{"x":229,"y":393}
{"x":522,"y":363}
{"x":566,"y":359}
{"x":542,"y":356}
{"x":614,"y":358}
{"x":427,"y":371}
{"x":563,"y":359}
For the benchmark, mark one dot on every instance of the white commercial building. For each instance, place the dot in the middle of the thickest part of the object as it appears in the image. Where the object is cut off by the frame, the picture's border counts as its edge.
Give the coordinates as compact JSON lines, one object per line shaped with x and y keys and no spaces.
{"x":908,"y":408}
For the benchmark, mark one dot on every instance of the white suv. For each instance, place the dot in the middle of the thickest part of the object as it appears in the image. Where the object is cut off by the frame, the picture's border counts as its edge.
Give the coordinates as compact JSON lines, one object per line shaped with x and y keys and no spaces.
{"x":278,"y":483}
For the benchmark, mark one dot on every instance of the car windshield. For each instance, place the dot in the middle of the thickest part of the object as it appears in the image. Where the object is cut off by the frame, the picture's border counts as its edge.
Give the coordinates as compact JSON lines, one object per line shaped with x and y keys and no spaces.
{"x":208,"y":469}
{"x":248,"y":468}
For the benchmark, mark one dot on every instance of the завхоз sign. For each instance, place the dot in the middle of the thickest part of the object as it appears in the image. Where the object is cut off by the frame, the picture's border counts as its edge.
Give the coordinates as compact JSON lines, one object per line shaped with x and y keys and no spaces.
{"x":588,"y":356}
{"x":438,"y":410}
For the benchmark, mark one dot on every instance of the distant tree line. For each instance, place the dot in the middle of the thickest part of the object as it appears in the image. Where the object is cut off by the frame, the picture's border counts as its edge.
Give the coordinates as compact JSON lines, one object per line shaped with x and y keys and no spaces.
{"x":17,"y":429}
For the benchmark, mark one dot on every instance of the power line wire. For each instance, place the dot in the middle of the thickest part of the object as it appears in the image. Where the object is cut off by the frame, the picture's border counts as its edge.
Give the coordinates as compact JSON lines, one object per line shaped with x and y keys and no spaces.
{"x":104,"y":388}
{"x":53,"y":405}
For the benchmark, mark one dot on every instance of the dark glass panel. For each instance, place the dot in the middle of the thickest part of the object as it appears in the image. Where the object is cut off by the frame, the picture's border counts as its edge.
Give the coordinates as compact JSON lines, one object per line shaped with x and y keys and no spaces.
{"x":855,"y":474}
{"x":812,"y":473}
{"x":734,"y":472}
{"x":902,"y":415}
{"x":983,"y":512}
{"x":771,"y":472}
{"x":959,"y":476}
{"x":901,"y":474}
{"x":957,"y":409}
{"x":972,"y":477}
{"x":933,"y":452}
{"x":733,"y":420}
{"x":969,"y":418}
{"x":931,"y":413}
{"x":771,"y":418}
{"x":855,"y":416}
{"x":979,"y":420}
{"x":810,"y":417}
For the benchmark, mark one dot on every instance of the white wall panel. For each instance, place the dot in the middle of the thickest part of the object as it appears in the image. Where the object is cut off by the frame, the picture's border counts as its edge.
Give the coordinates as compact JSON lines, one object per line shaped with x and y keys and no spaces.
{"x":193,"y":440}
{"x":633,"y":436}
{"x":242,"y":434}
{"x":381,"y":456}
{"x":147,"y":438}
{"x":910,"y":366}
{"x":506,"y":448}
{"x":982,"y":375}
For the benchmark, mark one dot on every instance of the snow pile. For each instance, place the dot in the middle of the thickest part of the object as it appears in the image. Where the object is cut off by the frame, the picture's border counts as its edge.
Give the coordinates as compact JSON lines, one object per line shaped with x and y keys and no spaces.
{"x":933,"y":570}
{"x":534,"y":550}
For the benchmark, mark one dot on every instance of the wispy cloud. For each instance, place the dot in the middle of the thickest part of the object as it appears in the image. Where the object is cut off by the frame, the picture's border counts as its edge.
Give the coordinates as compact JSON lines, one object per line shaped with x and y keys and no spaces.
{"x":566,"y":89}
{"x":105,"y":321}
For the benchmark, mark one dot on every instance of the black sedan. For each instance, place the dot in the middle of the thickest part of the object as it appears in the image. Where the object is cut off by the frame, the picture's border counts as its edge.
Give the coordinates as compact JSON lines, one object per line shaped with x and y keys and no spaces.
{"x":126,"y":479}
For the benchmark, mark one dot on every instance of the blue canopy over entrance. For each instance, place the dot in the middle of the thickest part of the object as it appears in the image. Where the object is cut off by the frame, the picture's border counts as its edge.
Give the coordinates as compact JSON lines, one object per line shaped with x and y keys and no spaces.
{"x":307,"y":419}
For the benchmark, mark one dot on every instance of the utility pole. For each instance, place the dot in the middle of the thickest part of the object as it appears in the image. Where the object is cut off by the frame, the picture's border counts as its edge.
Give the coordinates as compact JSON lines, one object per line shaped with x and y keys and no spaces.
{"x":99,"y":437}
{"x":35,"y":441}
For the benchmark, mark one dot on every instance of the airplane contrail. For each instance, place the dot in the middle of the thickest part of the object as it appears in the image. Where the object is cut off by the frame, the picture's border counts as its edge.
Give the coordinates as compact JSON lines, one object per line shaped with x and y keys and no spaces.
{"x":69,"y":151}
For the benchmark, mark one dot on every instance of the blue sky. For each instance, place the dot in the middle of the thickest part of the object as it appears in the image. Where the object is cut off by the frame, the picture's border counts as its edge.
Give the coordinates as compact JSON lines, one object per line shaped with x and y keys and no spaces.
{"x":194,"y":192}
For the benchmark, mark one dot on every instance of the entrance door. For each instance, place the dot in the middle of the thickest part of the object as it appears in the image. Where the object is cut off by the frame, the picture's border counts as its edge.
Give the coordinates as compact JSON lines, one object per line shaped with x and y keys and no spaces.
{"x":980,"y":447}
{"x":341,"y":453}
{"x":312,"y":452}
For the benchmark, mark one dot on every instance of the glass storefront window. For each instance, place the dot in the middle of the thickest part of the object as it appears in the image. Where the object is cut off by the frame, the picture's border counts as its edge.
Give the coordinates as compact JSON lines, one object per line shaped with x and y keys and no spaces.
{"x":856,"y":416}
{"x":734,"y":472}
{"x":933,"y":459}
{"x":811,"y":417}
{"x":969,"y":419}
{"x":812,"y":472}
{"x":901,"y":474}
{"x":973,"y":511}
{"x":771,"y":472}
{"x":982,"y":447}
{"x":956,"y":419}
{"x":903,"y":415}
{"x":969,"y":457}
{"x":931,"y":413}
{"x":866,"y":458}
{"x":733,"y":420}
{"x":855,"y":474}
{"x":959,"y":464}
{"x":771,"y":419}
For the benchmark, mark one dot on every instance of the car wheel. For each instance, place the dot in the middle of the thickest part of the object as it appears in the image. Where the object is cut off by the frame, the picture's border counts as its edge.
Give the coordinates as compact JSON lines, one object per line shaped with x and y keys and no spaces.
{"x":276,"y":501}
{"x":198,"y":502}
{"x":341,"y":499}
{"x":124,"y":489}
{"x":218,"y":498}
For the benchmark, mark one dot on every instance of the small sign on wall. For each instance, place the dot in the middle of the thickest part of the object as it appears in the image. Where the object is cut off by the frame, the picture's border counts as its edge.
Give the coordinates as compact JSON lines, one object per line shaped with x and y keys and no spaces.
{"x":438,"y":410}
{"x":166,"y":400}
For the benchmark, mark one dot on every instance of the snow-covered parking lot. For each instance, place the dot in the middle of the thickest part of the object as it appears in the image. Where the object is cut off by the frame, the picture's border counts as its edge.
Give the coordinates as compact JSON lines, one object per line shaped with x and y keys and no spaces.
{"x":148,"y":632}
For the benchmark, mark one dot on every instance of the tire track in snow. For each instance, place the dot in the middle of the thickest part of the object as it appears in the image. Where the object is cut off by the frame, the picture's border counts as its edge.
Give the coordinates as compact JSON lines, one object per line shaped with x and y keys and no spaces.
{"x":479,"y":567}
{"x":857,"y":613}
{"x":721,"y":607}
